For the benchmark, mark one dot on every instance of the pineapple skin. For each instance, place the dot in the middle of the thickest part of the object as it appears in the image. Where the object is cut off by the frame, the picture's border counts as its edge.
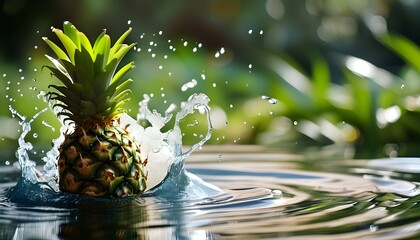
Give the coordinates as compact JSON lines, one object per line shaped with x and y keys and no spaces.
{"x":101,"y":161}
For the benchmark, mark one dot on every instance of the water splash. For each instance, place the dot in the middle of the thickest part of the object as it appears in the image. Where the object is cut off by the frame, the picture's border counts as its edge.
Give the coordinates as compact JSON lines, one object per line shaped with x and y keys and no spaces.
{"x":166,"y":173}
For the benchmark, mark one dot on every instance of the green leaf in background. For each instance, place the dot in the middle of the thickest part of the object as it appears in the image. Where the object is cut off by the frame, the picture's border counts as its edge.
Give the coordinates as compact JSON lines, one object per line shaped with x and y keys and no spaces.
{"x":406,"y":49}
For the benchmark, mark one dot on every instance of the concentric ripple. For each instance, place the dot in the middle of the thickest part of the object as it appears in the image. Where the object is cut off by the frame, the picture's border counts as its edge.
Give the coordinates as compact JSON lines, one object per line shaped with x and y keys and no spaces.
{"x":264,"y":196}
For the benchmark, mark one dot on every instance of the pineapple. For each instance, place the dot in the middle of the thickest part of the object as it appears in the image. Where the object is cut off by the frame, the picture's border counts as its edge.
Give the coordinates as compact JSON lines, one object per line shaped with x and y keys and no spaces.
{"x":98,"y":156}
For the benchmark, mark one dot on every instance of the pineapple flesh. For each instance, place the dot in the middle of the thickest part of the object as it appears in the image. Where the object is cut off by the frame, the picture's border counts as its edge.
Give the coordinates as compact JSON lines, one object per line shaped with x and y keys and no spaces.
{"x":98,"y":157}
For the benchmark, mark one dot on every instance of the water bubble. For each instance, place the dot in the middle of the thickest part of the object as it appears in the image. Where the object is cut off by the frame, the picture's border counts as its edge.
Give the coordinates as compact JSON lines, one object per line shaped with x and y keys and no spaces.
{"x":199,"y":45}
{"x":261,"y":32}
{"x":222,"y":50}
{"x":295,"y":123}
{"x":185,"y":43}
{"x":129,"y":22}
{"x":20,"y":70}
{"x":151,"y":43}
{"x":153,"y":55}
{"x":29,"y":58}
{"x":138,"y":49}
{"x":4,"y":75}
{"x":7,"y":163}
{"x":165,"y":57}
{"x":250,"y":31}
{"x":220,"y":157}
{"x":36,"y":47}
{"x":160,"y":32}
{"x":402,"y":86}
{"x":160,"y":67}
{"x":195,"y":49}
{"x":250,"y":66}
{"x":149,"y":50}
{"x":231,"y":105}
{"x":203,"y":76}
{"x":35,"y":135}
{"x":217,"y":54}
{"x":214,"y":84}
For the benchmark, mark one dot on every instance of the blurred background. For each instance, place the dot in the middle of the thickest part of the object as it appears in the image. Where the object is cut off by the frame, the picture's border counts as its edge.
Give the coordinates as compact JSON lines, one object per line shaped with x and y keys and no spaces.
{"x":296,"y":75}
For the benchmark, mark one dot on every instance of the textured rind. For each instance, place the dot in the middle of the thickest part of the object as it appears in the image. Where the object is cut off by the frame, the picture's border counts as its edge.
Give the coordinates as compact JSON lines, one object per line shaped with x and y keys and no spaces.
{"x":101,"y":161}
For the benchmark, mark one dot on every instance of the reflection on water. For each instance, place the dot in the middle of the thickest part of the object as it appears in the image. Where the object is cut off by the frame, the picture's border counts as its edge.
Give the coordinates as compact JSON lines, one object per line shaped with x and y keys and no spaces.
{"x":266,"y":195}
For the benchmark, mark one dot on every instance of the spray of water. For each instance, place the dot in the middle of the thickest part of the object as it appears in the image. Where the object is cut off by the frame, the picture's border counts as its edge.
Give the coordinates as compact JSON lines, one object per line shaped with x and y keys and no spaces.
{"x":162,"y":149}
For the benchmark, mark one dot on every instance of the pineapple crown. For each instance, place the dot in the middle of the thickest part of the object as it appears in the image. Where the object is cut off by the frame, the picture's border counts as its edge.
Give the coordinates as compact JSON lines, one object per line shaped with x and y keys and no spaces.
{"x":93,"y":91}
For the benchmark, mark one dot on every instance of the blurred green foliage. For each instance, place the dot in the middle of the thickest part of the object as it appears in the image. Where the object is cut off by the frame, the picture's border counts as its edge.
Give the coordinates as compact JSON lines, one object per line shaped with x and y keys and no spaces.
{"x":290,"y":74}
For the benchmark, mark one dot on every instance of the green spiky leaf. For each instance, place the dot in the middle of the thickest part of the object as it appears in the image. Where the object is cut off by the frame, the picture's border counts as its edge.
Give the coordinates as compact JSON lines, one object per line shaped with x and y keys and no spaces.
{"x":93,"y":88}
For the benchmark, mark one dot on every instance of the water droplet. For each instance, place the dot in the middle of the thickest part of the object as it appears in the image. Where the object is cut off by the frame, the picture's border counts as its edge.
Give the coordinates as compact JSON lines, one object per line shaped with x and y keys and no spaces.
{"x":203,"y":76}
{"x":402,"y":86}
{"x":29,"y":58}
{"x":160,"y":32}
{"x":277,"y":193}
{"x":153,"y":55}
{"x":185,"y":43}
{"x":36,"y":47}
{"x":35,"y":135}
{"x":20,"y":70}
{"x":295,"y":123}
{"x":7,"y":163}
{"x":261,"y":32}
{"x":220,"y":157}
{"x":160,"y":67}
{"x":222,"y":50}
{"x":250,"y":31}
{"x":195,"y":49}
{"x":199,"y":45}
{"x":217,"y":54}
{"x":269,"y":99}
{"x":4,"y":75}
{"x":151,"y":43}
{"x":214,"y":84}
{"x":231,"y":105}
{"x":129,"y":22}
{"x":250,"y":66}
{"x":188,"y":85}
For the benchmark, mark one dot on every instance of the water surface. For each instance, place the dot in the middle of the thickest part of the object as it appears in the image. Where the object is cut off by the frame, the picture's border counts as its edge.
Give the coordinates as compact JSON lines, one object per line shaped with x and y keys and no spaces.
{"x":265,"y":195}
